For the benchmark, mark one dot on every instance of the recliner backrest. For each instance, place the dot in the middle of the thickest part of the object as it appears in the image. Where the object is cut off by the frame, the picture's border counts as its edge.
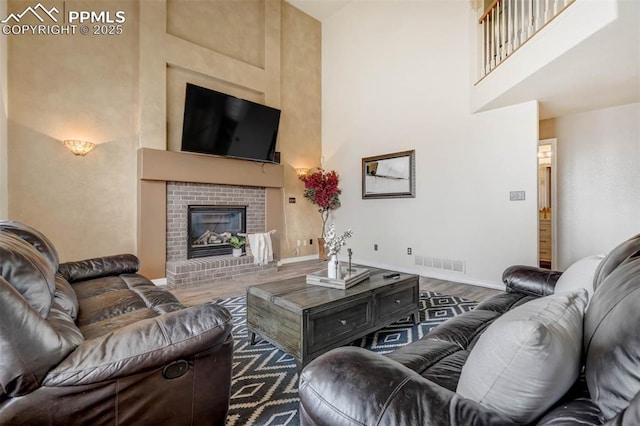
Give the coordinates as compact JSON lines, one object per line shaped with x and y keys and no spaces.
{"x":617,"y":256}
{"x":28,"y":271}
{"x":611,"y":333}
{"x":30,"y":345}
{"x":37,"y":310}
{"x":33,"y":237}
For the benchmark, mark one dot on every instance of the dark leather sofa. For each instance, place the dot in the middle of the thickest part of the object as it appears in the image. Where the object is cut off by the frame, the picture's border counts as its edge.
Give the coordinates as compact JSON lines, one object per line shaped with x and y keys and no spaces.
{"x":95,"y":343}
{"x":416,"y":384}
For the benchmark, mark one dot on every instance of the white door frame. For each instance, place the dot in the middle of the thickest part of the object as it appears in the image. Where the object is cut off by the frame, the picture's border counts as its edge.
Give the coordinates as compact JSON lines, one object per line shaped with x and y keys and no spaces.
{"x":554,"y":200}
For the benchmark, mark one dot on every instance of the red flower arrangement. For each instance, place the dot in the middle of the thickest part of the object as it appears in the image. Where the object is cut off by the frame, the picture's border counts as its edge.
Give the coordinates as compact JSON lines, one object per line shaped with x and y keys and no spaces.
{"x":321,"y":188}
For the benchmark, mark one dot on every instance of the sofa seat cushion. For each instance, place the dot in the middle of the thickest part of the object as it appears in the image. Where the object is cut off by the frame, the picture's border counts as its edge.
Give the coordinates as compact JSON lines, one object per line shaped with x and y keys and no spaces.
{"x":109,"y":303}
{"x":575,"y":408}
{"x":528,"y":358}
{"x":107,"y":325}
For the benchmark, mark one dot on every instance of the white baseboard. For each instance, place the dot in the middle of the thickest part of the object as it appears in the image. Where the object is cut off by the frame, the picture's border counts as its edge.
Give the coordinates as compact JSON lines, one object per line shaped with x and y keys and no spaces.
{"x":433,"y":273}
{"x":159,"y":281}
{"x":297,"y":259}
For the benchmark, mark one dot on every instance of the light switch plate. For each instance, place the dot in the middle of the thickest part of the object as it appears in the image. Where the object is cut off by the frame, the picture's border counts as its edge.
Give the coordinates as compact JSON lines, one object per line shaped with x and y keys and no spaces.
{"x":516,"y":196}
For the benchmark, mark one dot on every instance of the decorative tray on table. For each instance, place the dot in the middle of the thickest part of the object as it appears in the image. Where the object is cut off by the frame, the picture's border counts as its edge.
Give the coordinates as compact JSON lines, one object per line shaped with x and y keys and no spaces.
{"x":350,"y":277}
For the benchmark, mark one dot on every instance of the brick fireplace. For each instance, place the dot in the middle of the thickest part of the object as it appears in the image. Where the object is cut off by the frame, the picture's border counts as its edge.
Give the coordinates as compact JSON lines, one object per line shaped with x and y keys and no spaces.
{"x":183,"y":197}
{"x":171,"y":181}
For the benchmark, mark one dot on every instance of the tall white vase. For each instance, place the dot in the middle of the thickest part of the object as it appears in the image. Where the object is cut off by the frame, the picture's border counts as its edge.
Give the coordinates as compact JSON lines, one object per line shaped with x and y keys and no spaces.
{"x":333,"y":267}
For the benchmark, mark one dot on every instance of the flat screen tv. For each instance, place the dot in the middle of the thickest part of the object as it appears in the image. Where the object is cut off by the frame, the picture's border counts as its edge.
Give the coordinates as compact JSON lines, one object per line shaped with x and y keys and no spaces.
{"x":220,"y":124}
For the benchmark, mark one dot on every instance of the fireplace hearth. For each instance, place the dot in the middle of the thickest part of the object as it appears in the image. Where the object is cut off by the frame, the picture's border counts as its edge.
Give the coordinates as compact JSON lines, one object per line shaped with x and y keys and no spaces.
{"x":211,"y":227}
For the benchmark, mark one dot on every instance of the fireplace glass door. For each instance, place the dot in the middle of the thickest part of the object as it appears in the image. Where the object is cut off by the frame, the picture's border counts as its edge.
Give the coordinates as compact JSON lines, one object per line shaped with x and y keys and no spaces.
{"x":211,"y":228}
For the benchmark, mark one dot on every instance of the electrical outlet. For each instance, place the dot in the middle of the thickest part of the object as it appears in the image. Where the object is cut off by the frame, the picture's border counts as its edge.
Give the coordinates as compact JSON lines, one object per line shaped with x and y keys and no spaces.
{"x":292,"y":200}
{"x":409,"y":250}
{"x":298,"y":243}
{"x":310,"y":241}
{"x":375,"y":247}
{"x":304,"y":243}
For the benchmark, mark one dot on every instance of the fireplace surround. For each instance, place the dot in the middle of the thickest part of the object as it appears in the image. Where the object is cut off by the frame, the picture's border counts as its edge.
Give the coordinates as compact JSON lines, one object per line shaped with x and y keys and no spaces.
{"x":158,"y":169}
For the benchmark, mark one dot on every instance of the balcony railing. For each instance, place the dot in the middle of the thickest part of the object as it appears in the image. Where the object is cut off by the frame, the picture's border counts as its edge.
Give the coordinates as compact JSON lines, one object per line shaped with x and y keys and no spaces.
{"x":508,"y":24}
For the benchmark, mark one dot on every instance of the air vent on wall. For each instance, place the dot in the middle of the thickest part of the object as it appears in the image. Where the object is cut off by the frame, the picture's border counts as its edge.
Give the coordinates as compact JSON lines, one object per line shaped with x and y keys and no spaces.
{"x":440,"y":263}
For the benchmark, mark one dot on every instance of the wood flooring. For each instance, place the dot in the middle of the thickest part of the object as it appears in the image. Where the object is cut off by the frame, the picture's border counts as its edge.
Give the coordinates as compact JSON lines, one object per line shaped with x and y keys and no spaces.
{"x":206,"y":293}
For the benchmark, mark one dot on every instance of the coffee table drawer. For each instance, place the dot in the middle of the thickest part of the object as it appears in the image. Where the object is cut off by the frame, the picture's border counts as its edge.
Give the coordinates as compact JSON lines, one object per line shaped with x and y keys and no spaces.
{"x":390,"y":303}
{"x":339,"y":323}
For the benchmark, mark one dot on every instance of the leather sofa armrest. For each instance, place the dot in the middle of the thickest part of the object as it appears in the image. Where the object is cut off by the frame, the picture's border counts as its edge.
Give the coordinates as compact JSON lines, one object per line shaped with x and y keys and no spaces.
{"x":144,"y":345}
{"x":99,"y":267}
{"x":530,"y":280}
{"x":353,"y":386}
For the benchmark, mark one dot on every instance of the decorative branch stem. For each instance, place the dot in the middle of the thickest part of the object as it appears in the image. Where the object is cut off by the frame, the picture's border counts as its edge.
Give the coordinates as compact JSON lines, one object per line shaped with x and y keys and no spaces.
{"x":324,"y":214}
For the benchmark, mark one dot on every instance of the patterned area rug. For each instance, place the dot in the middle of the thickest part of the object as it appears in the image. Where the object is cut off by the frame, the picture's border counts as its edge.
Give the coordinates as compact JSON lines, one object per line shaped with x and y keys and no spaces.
{"x":264,"y":390}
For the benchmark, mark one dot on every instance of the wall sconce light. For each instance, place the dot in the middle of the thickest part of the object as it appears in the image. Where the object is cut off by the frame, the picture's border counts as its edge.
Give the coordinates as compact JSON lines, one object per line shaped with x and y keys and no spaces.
{"x":301,"y":171}
{"x":80,"y":148}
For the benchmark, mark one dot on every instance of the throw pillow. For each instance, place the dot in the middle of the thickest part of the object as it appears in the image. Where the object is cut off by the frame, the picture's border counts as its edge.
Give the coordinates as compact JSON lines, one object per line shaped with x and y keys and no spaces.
{"x":580,"y":275}
{"x":528,"y":358}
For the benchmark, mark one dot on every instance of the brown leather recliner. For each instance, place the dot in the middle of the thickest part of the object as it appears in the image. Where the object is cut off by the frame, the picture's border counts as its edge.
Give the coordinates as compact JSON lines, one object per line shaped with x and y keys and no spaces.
{"x":93,"y":342}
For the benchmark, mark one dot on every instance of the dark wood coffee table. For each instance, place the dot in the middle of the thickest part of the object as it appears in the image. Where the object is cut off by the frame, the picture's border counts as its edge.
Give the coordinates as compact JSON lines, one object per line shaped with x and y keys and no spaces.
{"x":306,"y":320}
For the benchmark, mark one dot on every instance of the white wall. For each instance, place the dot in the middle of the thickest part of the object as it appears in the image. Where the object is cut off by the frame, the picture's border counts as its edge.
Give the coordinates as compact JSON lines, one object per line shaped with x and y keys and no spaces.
{"x":598,"y":181}
{"x":4,"y":190}
{"x":396,"y":77}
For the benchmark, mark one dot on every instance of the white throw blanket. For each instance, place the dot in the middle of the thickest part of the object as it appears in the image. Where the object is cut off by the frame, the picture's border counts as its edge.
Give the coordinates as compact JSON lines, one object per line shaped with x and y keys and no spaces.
{"x":261,"y":248}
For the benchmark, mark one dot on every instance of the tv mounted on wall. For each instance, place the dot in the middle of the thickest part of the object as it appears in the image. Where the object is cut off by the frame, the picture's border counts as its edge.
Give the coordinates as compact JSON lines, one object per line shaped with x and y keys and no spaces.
{"x":220,"y":124}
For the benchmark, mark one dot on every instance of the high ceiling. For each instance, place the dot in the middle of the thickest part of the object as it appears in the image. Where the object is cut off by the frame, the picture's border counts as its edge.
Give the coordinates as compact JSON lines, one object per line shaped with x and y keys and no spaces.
{"x":601,"y":72}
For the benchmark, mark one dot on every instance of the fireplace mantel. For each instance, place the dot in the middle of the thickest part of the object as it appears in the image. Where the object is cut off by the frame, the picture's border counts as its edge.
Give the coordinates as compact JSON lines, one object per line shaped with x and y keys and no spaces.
{"x":157,"y":167}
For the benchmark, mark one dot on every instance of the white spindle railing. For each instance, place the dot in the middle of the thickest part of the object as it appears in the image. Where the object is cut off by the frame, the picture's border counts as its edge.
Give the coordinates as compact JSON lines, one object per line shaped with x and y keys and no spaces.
{"x":508,"y":24}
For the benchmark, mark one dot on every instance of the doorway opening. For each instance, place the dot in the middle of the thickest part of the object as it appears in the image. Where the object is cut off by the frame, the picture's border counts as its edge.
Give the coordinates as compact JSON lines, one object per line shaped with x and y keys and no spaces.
{"x":547,"y":203}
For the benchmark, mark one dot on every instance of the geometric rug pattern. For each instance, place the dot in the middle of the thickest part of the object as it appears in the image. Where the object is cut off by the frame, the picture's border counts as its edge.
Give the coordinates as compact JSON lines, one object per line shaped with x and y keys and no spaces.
{"x":264,"y":388}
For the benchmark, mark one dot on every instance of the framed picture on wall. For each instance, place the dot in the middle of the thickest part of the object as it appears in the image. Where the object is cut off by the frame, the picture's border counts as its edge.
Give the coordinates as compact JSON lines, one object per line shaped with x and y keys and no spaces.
{"x":389,"y":175}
